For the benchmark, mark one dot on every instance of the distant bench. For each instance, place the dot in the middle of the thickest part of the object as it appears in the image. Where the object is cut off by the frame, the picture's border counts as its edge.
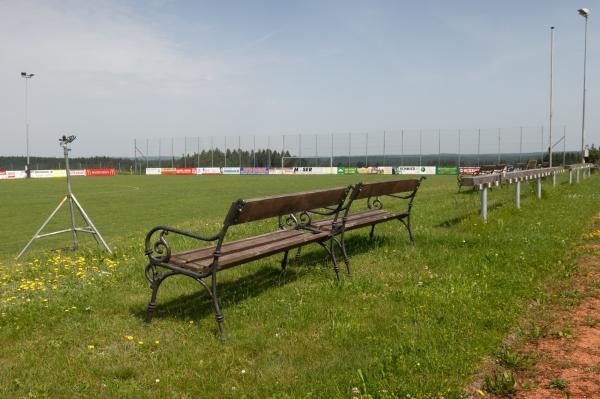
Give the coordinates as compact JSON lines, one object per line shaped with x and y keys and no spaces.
{"x":296,"y":229}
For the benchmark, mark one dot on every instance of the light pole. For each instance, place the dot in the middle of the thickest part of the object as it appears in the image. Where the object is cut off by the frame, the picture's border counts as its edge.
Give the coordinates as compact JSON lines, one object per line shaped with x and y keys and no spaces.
{"x":27,"y":76}
{"x":551,"y":87}
{"x":584,"y":12}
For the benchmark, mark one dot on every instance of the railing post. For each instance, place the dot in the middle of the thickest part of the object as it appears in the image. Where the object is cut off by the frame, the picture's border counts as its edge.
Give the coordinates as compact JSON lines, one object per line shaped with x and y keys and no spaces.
{"x":484,"y":198}
{"x":518,"y":194}
{"x":577,"y":175}
{"x":538,"y":187}
{"x":553,"y":179}
{"x":570,"y":176}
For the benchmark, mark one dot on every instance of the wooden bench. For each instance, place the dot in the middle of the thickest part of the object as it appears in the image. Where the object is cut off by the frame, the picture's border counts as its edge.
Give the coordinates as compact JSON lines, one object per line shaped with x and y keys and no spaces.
{"x":295,"y":229}
{"x":375,"y":214}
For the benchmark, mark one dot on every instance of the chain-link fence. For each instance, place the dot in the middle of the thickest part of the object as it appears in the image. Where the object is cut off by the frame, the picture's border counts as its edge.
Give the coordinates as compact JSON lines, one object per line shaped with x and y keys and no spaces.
{"x":415,"y":147}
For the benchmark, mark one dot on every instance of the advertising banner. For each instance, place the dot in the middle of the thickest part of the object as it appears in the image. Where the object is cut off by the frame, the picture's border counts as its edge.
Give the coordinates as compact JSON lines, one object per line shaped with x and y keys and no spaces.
{"x":304,"y":170}
{"x":101,"y":172}
{"x":386,"y":170}
{"x":231,"y":171}
{"x":254,"y":171}
{"x":40,"y":174}
{"x":276,"y":171}
{"x":371,"y":170}
{"x":185,"y":171}
{"x":209,"y":171}
{"x":415,"y":170}
{"x":3,"y":174}
{"x":168,"y":171}
{"x":153,"y":171}
{"x":341,"y":170}
{"x":446,"y":170}
{"x":77,"y":172}
{"x":470,"y":170}
{"x":320,"y":170}
{"x":16,"y":174}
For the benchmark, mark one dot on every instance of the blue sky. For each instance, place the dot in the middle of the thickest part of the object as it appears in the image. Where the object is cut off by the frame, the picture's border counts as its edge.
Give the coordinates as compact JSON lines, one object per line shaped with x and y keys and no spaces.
{"x":111,"y":71}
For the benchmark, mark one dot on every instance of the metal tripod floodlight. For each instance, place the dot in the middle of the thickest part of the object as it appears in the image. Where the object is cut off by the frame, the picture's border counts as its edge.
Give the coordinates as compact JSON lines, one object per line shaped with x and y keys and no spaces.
{"x":73,"y":203}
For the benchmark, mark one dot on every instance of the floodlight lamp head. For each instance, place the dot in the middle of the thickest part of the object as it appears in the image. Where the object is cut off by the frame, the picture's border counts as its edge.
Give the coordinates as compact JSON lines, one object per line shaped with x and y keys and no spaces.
{"x":584,"y":12}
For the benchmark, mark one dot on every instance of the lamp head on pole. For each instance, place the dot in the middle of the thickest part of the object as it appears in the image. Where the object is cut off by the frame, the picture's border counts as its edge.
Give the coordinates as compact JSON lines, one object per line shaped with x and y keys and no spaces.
{"x":584,"y":12}
{"x":27,"y":75}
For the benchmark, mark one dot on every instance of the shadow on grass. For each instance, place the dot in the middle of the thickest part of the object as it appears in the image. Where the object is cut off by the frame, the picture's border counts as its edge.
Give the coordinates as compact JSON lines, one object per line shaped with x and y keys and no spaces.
{"x":233,"y":291}
{"x":456,"y":220}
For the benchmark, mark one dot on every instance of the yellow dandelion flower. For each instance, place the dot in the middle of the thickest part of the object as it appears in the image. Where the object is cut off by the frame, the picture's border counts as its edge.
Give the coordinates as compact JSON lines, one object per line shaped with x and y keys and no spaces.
{"x":91,"y":346}
{"x":129,"y":337}
{"x":156,"y":342}
{"x":141,"y":342}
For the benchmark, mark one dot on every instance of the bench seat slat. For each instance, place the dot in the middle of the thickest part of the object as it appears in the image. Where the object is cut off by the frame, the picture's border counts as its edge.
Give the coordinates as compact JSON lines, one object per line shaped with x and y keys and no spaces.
{"x":202,"y":253}
{"x":253,"y":253}
{"x":362,"y":219}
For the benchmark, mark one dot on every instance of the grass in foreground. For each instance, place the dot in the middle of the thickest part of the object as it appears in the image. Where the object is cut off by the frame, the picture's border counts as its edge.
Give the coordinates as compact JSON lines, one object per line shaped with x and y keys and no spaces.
{"x":414,"y":320}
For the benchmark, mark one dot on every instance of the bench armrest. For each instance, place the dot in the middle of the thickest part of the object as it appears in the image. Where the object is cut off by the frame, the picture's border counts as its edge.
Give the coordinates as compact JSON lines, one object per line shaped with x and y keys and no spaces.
{"x":159,"y":251}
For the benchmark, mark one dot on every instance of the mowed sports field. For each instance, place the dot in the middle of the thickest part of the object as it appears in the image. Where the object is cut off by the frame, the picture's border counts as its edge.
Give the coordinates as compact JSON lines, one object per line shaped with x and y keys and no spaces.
{"x":414,"y":320}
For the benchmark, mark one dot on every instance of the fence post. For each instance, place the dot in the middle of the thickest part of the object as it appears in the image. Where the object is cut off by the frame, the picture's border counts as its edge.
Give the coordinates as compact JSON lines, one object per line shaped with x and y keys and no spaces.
{"x":316,"y":150}
{"x":349,"y":147}
{"x":564,"y":145}
{"x":159,"y":152}
{"x":172,"y":152}
{"x":484,"y":200}
{"x":518,"y":194}
{"x":134,"y":157}
{"x":402,"y":148}
{"x":499,"y":133}
{"x":185,"y":152}
{"x":331,"y":155}
{"x":478,"y":147}
{"x":538,"y":187}
{"x":420,"y":144}
{"x":225,"y":151}
{"x":367,"y":150}
{"x":198,"y":151}
{"x":439,"y":147}
{"x":212,"y":153}
{"x":383,"y":163}
{"x":459,"y":147}
{"x":570,"y":176}
{"x":521,"y":144}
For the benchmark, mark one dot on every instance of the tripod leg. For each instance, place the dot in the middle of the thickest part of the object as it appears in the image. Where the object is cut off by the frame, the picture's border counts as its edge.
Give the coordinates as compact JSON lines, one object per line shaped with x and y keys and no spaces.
{"x":72,"y":211}
{"x":97,"y":234}
{"x":41,"y":228}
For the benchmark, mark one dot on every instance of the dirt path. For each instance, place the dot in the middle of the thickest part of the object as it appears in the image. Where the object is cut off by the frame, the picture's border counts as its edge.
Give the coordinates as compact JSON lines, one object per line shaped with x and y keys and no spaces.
{"x":568,"y":359}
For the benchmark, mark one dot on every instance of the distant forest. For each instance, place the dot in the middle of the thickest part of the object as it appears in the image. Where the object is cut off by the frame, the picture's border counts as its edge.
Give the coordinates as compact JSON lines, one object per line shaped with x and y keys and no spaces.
{"x":266,"y":158}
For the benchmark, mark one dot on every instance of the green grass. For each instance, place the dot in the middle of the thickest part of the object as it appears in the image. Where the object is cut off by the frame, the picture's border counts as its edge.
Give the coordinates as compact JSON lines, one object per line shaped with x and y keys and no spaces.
{"x":414,"y":320}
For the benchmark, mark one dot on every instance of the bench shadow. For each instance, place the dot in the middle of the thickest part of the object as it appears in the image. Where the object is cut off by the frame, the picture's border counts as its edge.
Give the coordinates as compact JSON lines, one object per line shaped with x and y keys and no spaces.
{"x":233,"y":291}
{"x":456,"y":220}
{"x":198,"y":304}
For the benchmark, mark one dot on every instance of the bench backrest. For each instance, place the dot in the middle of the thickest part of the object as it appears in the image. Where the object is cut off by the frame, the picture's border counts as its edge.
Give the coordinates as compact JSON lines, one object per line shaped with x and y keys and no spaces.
{"x":387,"y":188}
{"x":264,"y":208}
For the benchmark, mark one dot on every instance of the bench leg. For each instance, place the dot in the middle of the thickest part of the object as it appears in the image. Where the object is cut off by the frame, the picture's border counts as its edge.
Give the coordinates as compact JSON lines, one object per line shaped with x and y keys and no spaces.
{"x":152,"y":303}
{"x":335,"y":265}
{"x":297,"y":257}
{"x":372,"y":231}
{"x":331,"y":252}
{"x":284,"y":260}
{"x":342,"y":245}
{"x":155,"y":285}
{"x":407,"y":225}
{"x":213,"y":294}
